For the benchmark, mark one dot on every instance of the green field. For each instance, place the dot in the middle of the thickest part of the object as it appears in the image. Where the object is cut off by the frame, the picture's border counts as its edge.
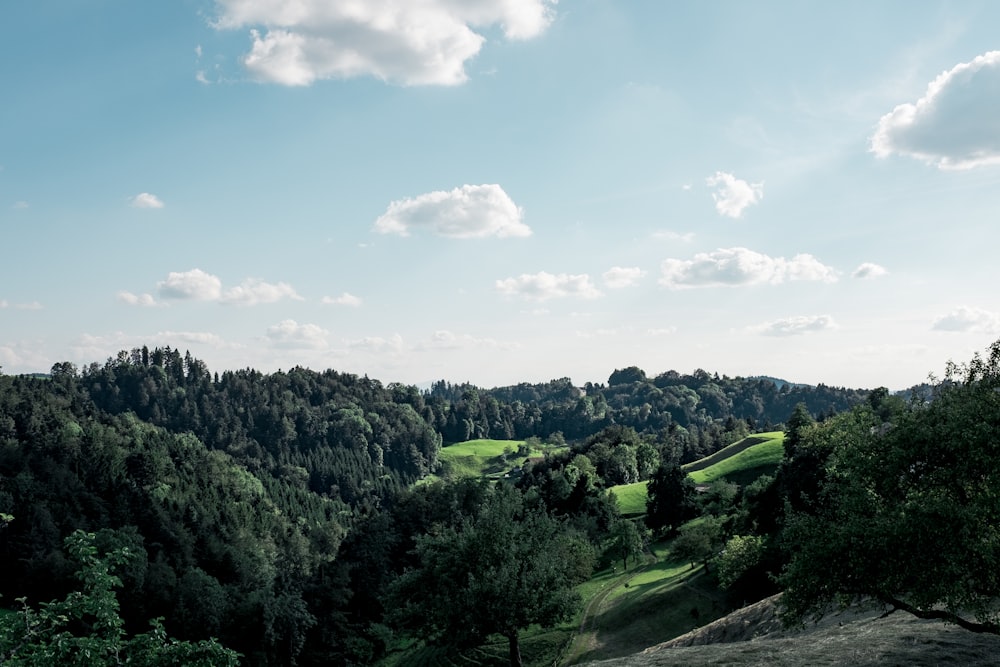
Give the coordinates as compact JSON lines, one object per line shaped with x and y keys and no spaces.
{"x":485,"y":458}
{"x":742,"y":462}
{"x":631,"y":498}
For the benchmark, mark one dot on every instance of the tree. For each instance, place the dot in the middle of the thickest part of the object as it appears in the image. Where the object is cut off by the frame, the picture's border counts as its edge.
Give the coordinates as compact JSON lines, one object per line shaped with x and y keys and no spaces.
{"x":671,"y":499}
{"x":498,"y":572}
{"x":699,"y":541}
{"x":86,"y":629}
{"x":910,"y":514}
{"x":626,"y":541}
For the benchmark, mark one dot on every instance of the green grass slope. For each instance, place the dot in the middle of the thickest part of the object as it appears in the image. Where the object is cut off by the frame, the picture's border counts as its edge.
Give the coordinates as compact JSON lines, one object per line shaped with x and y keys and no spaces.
{"x":485,"y":458}
{"x":631,"y":498}
{"x":741,"y":462}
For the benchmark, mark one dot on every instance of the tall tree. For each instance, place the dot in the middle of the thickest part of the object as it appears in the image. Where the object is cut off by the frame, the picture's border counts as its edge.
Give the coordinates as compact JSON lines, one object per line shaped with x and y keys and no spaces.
{"x":671,"y":499}
{"x":910,"y":514}
{"x":499,"y":572}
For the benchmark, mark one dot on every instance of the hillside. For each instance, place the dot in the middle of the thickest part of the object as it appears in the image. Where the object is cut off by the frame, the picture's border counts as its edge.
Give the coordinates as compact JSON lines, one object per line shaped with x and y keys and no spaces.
{"x":754,"y":636}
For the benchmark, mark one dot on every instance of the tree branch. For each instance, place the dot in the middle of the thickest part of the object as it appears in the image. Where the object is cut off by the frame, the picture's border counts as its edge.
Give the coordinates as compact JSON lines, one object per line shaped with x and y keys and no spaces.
{"x":941,"y":615}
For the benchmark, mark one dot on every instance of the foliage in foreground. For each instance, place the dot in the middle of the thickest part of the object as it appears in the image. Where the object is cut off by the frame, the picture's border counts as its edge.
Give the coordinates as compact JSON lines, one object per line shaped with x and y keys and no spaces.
{"x":905,"y":510}
{"x":85,"y":628}
{"x":498,"y":572}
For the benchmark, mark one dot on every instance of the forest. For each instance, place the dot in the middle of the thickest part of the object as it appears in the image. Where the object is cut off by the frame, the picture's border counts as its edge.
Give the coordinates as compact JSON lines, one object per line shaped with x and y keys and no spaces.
{"x":304,"y":517}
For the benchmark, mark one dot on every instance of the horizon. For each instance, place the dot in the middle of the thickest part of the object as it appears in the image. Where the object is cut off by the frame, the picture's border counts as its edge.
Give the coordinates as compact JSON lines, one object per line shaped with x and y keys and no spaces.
{"x":502,"y":194}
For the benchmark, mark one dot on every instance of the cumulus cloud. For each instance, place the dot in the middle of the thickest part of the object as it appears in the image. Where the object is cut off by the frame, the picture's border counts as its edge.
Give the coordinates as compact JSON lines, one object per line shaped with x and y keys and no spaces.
{"x":955,"y":125}
{"x":471,"y":211}
{"x":197,"y":285}
{"x":543,"y":286}
{"x":253,"y":291}
{"x":194,"y":284}
{"x":20,"y":205}
{"x":146,"y":200}
{"x":412,"y":43}
{"x":868,"y":270}
{"x":131,"y":299}
{"x":289,"y":334}
{"x":966,"y":318}
{"x":733,"y":194}
{"x":739,"y":266}
{"x":795,"y":326}
{"x":621,"y":276}
{"x":345,"y":299}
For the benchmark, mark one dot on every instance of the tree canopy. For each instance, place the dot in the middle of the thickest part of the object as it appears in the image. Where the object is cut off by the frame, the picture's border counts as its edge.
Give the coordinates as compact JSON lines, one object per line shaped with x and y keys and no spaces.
{"x":908,"y":513}
{"x":497,"y":572}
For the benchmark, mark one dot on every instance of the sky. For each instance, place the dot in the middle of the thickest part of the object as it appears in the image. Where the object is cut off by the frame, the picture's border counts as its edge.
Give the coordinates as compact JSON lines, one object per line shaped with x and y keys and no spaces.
{"x":503,"y":191}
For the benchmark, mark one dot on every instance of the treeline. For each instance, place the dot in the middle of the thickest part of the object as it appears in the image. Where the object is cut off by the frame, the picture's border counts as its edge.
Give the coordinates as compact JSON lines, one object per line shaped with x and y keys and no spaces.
{"x":272,"y":511}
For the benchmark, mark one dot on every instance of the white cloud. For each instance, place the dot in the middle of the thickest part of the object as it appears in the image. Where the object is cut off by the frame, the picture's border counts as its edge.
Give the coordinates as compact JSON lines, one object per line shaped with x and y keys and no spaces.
{"x":674,"y":236}
{"x":34,"y":305}
{"x":471,"y":211}
{"x":146,"y":200}
{"x":3,"y":303}
{"x":413,"y":43}
{"x":345,"y":299}
{"x":620,"y":276}
{"x":253,"y":291}
{"x":733,"y":194}
{"x":378,"y":345}
{"x":446,"y":340}
{"x":20,"y":205}
{"x":201,"y":286}
{"x":794,"y":326}
{"x":955,"y":125}
{"x":198,"y":337}
{"x":292,"y":335}
{"x":194,"y":284}
{"x":136,"y":299}
{"x":543,"y":286}
{"x":740,"y":266}
{"x":869,"y":270}
{"x":966,"y":318}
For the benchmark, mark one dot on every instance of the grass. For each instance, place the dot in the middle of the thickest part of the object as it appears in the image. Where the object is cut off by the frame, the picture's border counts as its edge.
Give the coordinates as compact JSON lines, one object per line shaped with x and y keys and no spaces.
{"x":742,"y":462}
{"x":629,"y":611}
{"x":631,"y":498}
{"x":485,"y":458}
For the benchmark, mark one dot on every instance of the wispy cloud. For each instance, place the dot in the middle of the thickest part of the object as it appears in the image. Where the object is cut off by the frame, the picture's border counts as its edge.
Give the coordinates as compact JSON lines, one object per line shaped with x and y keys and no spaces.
{"x":543,"y":286}
{"x":868,"y":270}
{"x":968,"y":319}
{"x":955,"y":125}
{"x":146,"y":200}
{"x":470,"y":211}
{"x":345,"y":299}
{"x":795,"y":326}
{"x":412,"y":43}
{"x":733,"y":195}
{"x":622,"y":276}
{"x":732,"y":267}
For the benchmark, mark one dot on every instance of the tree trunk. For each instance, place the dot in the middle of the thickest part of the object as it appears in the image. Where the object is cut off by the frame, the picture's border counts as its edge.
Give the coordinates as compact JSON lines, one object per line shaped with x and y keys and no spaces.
{"x":515,"y":651}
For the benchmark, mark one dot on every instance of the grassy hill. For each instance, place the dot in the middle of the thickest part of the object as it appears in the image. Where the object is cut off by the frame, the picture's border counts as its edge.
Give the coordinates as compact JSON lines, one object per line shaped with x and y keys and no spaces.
{"x":741,"y":462}
{"x":486,"y":458}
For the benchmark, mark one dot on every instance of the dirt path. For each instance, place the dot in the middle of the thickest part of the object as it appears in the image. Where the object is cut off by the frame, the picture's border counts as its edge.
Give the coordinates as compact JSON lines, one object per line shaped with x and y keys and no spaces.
{"x":585,"y":639}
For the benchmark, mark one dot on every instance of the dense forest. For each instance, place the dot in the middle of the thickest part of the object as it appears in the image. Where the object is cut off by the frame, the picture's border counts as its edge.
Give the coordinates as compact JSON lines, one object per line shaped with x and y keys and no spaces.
{"x":276,"y":512}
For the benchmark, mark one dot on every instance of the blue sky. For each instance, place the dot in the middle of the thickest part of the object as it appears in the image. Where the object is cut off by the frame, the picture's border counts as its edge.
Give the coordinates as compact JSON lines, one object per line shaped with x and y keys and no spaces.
{"x":499,"y":192}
